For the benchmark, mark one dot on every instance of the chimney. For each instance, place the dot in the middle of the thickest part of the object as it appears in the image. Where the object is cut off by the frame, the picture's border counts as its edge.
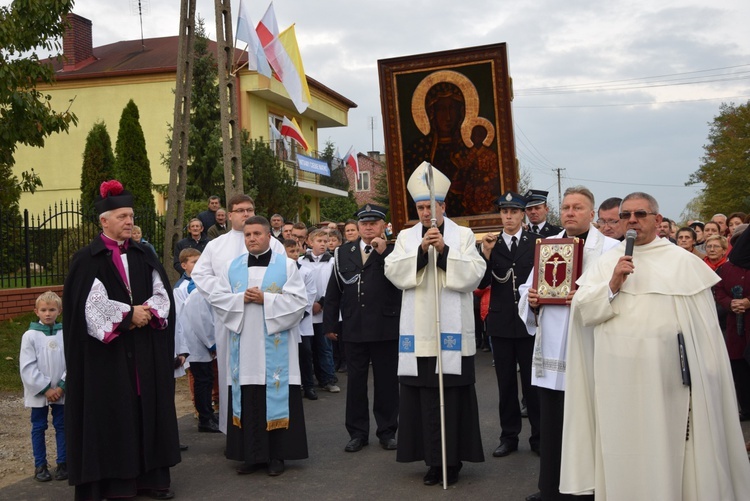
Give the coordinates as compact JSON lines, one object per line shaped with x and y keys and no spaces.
{"x":77,"y":42}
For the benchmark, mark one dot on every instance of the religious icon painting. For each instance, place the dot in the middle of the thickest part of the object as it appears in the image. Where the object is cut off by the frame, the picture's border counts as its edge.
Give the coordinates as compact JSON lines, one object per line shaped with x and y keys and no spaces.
{"x":451,"y":109}
{"x":557,"y":266}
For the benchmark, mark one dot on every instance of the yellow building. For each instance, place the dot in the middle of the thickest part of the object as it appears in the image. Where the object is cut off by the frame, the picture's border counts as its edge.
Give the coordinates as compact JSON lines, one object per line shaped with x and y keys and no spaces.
{"x":99,"y":81}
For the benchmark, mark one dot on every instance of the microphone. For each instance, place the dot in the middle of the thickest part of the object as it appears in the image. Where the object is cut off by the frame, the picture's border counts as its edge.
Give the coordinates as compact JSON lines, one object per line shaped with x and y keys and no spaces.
{"x":737,"y":293}
{"x":630,"y":241}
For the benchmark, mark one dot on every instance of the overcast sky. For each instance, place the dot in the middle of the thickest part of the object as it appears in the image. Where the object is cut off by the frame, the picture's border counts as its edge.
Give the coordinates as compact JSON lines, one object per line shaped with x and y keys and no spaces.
{"x":638,"y":134}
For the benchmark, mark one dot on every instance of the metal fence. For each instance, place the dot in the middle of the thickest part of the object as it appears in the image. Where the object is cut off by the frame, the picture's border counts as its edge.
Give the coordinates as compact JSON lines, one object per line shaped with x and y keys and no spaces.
{"x":35,"y":249}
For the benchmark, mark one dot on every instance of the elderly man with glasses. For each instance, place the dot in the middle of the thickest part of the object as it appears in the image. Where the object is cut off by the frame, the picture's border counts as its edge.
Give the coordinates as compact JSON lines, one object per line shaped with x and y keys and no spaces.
{"x":650,"y":410}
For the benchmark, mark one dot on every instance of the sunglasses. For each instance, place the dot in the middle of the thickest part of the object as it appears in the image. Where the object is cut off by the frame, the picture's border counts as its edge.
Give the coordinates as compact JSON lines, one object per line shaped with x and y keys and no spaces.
{"x":639,"y":214}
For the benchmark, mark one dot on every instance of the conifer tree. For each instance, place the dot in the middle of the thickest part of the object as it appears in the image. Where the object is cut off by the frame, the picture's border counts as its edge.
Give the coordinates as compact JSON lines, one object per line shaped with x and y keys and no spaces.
{"x":205,"y":172}
{"x":98,"y":163}
{"x":132,"y":167}
{"x":273,"y":188}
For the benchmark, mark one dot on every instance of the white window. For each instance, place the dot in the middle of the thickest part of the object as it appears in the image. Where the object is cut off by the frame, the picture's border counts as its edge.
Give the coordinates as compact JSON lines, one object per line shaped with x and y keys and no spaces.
{"x":363,"y":182}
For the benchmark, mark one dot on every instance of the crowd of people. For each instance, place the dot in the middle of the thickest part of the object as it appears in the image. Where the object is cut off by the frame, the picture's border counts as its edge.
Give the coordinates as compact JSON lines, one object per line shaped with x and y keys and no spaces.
{"x":633,"y":382}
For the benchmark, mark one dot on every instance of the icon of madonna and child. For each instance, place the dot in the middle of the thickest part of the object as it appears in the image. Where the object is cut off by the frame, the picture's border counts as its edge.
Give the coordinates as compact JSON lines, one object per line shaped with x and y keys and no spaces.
{"x":456,"y":140}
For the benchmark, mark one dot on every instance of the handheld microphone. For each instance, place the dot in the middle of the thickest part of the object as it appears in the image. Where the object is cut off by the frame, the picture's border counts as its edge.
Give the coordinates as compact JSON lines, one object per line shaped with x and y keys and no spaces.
{"x":737,"y":293}
{"x":630,"y":241}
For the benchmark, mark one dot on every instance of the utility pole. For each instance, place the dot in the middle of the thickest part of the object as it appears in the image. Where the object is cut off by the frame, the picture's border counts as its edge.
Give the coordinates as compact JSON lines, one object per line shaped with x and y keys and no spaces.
{"x":372,"y":133}
{"x":230,"y":124}
{"x":559,"y":190}
{"x":180,"y":133}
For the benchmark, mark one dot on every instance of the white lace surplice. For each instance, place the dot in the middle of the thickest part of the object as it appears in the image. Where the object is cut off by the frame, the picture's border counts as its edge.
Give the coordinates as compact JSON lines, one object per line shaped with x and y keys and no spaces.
{"x":103,"y":314}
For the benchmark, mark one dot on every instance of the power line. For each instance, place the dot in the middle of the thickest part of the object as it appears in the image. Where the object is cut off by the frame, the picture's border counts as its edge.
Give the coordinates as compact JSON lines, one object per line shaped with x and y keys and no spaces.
{"x":545,"y":159}
{"x":638,"y":184}
{"x":597,"y":84}
{"x":631,"y":104}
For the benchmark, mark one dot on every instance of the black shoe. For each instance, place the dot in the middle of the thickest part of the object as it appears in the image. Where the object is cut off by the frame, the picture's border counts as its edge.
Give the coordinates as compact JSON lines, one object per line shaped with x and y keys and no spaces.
{"x":535,"y":449}
{"x":183,"y":448}
{"x":524,"y":412}
{"x":157,"y":493}
{"x":342,"y":369}
{"x":433,"y":476}
{"x":537,"y":496}
{"x":453,"y":473}
{"x":310,"y":394}
{"x":248,"y":468}
{"x":209,"y":427}
{"x":504,"y":449}
{"x":355,"y":445}
{"x":41,"y":474}
{"x":275,"y":467}
{"x":389,"y":444}
{"x":61,"y":472}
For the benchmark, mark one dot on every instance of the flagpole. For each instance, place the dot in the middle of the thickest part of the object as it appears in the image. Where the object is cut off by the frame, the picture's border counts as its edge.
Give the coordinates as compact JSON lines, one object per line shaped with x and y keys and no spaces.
{"x":441,"y":387}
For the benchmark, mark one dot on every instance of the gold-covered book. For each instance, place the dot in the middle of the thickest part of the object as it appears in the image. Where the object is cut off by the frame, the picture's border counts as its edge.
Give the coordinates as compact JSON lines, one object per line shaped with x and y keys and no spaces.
{"x":557,"y":266}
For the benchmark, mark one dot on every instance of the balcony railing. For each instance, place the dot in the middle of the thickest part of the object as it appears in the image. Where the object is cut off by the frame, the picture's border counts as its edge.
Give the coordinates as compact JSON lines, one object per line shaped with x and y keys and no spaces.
{"x":288,"y":156}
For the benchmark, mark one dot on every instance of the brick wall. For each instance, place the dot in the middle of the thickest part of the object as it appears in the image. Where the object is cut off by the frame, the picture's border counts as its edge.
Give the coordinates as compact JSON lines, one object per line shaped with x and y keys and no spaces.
{"x":15,"y":302}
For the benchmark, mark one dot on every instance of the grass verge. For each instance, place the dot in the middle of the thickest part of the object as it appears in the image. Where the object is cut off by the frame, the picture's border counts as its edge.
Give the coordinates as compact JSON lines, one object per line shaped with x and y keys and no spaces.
{"x":11,"y":332}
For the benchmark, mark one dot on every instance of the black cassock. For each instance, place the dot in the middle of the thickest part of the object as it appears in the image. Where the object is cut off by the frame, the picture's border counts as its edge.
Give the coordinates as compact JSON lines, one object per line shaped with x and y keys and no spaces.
{"x":120,"y":421}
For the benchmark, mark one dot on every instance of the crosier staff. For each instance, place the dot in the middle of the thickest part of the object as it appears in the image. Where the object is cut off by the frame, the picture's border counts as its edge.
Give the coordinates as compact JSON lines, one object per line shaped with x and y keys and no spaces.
{"x":433,"y":259}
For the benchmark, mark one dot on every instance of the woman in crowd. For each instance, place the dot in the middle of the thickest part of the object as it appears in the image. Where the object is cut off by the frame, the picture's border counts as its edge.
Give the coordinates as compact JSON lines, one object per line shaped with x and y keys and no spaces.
{"x":732,"y":295}
{"x":351,"y":233}
{"x":711,"y":228}
{"x":733,"y":221}
{"x":716,"y":251}
{"x":686,"y":239}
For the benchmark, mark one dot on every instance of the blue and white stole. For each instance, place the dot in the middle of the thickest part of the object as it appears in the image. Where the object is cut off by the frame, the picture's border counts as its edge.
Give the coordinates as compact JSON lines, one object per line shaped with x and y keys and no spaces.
{"x":276,"y":347}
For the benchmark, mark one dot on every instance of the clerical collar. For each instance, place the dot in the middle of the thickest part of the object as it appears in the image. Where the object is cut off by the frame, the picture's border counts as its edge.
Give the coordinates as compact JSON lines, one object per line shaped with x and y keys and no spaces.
{"x":260,"y":260}
{"x":118,"y":242}
{"x":582,"y":236}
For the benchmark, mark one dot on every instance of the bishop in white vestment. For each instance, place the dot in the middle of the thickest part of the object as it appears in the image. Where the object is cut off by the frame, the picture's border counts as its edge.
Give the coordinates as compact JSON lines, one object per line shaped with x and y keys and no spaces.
{"x":459,"y":270}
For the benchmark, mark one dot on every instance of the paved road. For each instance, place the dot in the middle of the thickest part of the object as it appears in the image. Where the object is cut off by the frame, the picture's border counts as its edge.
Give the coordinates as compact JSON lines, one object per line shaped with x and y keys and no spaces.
{"x":331,"y":473}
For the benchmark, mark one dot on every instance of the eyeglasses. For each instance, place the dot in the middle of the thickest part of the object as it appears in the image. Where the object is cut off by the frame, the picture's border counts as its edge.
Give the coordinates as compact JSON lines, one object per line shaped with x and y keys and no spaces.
{"x":639,"y":214}
{"x":607,"y":222}
{"x":714,"y":247}
{"x":243,"y":211}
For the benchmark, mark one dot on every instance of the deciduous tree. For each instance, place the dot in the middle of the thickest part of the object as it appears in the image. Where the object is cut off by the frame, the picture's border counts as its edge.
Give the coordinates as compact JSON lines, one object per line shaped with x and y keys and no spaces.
{"x":26,"y":114}
{"x":725,"y":167}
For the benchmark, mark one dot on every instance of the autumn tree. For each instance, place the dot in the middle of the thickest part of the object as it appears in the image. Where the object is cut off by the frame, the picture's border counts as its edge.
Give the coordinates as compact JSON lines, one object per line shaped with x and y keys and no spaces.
{"x":98,"y":163}
{"x":725,"y":167}
{"x":132,"y":167}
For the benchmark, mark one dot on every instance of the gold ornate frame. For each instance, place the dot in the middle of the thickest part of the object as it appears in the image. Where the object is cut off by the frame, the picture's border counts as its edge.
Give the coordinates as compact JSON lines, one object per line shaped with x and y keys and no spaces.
{"x":481,"y":74}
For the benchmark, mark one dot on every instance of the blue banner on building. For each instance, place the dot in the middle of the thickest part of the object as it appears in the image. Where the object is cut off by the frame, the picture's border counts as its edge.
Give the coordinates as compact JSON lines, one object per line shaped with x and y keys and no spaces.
{"x":312,"y":165}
